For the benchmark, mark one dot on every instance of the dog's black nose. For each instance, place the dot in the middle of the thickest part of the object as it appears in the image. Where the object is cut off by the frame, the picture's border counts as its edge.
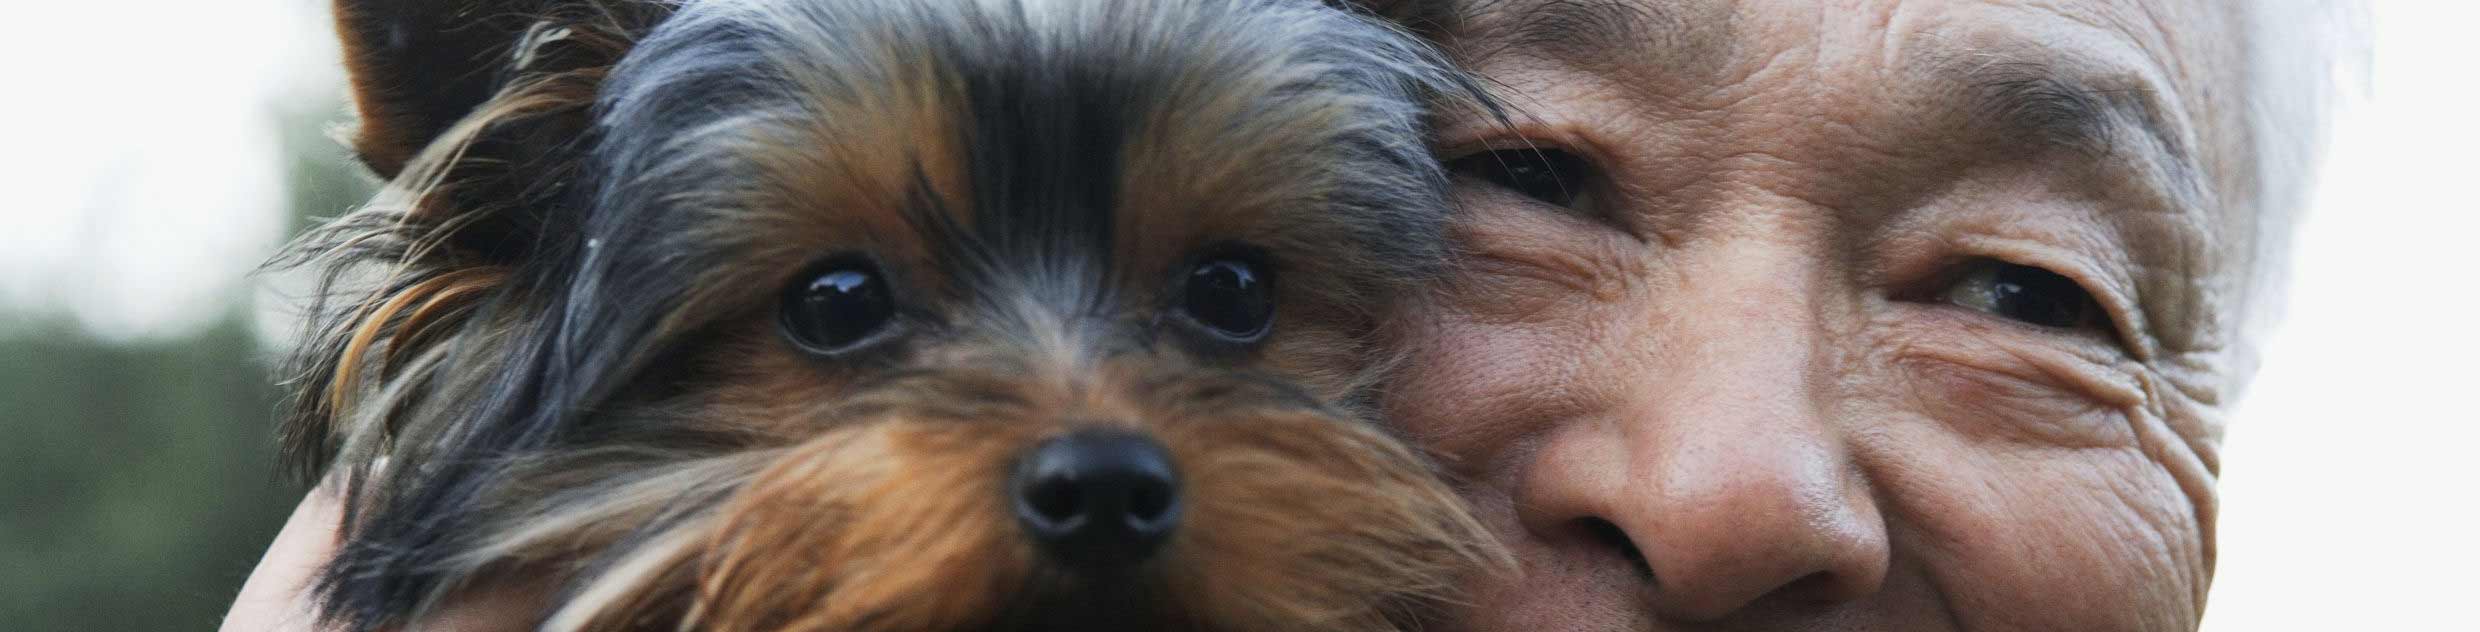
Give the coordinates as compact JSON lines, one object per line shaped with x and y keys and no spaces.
{"x":1097,"y":499}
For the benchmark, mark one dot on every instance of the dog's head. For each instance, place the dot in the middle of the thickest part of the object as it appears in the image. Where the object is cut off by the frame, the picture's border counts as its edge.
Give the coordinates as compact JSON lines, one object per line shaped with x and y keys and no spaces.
{"x":882,"y":315}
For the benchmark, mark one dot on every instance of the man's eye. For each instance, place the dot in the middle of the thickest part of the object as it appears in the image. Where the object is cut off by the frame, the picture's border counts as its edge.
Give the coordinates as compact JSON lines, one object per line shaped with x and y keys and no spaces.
{"x":1551,"y":176}
{"x":838,"y":305}
{"x":2026,"y":294}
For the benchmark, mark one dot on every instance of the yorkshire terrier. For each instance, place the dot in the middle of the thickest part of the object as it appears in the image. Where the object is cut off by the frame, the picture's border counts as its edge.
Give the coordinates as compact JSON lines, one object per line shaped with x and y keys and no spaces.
{"x":881,"y":315}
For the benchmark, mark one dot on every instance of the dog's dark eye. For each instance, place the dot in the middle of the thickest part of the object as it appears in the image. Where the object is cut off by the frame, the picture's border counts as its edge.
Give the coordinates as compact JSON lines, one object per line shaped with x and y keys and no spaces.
{"x":1231,"y":298}
{"x":838,"y":305}
{"x":2026,"y":294}
{"x":1551,"y":176}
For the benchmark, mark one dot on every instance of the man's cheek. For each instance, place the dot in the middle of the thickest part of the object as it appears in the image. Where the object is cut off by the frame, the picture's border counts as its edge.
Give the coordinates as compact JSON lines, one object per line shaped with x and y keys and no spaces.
{"x":2013,"y":463}
{"x":2019,"y":537}
{"x":2030,"y":509}
{"x":1479,"y":387}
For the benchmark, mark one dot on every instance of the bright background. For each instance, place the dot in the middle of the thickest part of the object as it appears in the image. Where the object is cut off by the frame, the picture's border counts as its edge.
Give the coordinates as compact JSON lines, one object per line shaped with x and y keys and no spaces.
{"x":154,"y":157}
{"x":2351,"y":473}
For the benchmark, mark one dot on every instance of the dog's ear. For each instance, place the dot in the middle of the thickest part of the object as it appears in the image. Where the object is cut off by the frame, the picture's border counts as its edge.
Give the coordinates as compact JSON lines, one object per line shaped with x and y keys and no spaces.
{"x":420,"y":66}
{"x":479,"y":115}
{"x":477,"y":111}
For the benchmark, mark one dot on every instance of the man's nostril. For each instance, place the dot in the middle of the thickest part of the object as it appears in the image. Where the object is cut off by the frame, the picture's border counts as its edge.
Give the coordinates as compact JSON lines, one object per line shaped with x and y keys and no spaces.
{"x":1610,"y":535}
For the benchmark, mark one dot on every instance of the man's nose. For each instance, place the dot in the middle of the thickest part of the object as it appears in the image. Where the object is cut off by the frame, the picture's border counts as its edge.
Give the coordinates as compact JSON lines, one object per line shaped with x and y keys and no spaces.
{"x":1718,"y":467}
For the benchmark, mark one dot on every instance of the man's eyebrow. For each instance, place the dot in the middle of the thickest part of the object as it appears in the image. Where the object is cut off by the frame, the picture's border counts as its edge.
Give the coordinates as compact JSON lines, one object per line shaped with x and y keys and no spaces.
{"x":2062,"y":105}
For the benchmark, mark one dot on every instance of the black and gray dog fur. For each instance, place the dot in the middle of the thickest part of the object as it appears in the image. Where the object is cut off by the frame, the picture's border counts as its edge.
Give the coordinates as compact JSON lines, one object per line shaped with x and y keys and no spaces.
{"x":762,"y":314}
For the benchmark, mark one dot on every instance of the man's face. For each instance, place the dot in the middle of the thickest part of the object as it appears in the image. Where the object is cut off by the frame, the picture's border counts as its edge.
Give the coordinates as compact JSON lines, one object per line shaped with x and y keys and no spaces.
{"x":1863,"y":315}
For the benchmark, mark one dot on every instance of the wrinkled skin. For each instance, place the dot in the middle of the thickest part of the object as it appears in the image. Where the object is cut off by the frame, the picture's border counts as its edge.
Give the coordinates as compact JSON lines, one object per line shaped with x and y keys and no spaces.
{"x":1748,"y":351}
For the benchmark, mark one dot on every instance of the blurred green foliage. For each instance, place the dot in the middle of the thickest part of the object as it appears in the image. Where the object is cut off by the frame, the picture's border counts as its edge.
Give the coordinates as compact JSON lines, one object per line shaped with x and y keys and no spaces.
{"x":138,"y":481}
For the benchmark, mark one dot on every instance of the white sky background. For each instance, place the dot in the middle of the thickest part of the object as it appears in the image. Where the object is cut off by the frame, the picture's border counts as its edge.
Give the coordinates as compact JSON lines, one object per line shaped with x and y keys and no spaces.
{"x":2352,"y":470}
{"x":142,"y":182}
{"x":140,"y":173}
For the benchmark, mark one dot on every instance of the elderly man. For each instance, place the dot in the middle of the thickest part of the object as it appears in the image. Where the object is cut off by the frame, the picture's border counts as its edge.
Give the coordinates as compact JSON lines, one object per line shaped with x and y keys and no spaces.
{"x":1857,"y":315}
{"x":1864,"y":315}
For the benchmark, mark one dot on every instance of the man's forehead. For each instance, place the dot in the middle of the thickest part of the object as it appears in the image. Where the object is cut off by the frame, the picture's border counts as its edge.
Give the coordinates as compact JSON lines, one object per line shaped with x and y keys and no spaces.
{"x":1685,"y":36}
{"x":1679,"y":35}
